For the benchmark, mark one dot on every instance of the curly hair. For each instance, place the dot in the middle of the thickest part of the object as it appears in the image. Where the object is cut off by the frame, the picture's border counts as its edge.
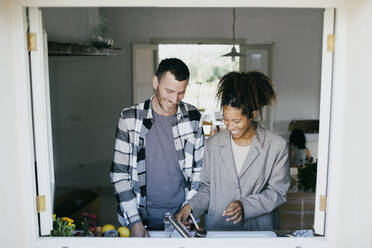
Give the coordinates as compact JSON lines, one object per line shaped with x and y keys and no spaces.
{"x":247,"y":91}
{"x":298,"y":139}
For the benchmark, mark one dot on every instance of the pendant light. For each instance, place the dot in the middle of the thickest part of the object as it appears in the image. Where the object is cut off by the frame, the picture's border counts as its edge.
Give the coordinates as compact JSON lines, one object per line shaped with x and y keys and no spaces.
{"x":233,"y":52}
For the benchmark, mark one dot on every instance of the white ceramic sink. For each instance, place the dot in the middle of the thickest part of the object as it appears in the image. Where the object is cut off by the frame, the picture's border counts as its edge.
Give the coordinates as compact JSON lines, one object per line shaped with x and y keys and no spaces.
{"x":220,"y":234}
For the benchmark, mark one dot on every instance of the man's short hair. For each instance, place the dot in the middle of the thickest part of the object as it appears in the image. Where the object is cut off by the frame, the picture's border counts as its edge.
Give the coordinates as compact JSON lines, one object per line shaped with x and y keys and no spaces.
{"x":175,"y":66}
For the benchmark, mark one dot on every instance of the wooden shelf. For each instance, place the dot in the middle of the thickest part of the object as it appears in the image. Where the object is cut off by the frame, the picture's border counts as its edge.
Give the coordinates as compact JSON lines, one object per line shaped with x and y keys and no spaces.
{"x":74,"y":49}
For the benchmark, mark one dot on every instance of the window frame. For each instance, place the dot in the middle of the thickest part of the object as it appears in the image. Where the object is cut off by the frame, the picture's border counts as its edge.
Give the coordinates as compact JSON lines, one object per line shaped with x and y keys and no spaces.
{"x":36,"y":241}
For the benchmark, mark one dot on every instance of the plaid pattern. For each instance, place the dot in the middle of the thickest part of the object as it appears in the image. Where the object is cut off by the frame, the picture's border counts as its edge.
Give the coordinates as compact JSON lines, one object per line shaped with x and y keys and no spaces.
{"x":128,"y":170}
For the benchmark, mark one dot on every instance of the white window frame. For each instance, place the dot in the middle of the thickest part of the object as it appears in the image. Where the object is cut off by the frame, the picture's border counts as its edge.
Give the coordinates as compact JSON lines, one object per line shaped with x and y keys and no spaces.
{"x":42,"y":119}
{"x":35,"y":241}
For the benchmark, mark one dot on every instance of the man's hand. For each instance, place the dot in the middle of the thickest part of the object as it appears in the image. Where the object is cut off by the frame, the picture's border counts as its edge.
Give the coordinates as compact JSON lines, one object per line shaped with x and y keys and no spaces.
{"x":183,"y":214}
{"x":235,"y":210}
{"x":138,"y":230}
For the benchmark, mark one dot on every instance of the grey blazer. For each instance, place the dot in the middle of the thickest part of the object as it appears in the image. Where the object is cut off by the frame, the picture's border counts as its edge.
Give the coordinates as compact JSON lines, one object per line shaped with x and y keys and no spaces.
{"x":261,"y":185}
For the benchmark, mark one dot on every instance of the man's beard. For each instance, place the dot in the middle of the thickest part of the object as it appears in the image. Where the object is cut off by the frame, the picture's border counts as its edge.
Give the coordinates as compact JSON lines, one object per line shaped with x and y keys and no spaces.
{"x":159,"y":99}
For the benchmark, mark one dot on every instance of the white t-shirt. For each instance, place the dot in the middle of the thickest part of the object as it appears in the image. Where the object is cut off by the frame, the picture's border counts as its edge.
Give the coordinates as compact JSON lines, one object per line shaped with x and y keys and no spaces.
{"x":240,"y":153}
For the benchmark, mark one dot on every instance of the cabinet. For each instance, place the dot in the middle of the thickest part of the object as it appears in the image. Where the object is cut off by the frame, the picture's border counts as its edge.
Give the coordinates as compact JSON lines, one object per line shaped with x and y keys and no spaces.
{"x":298,"y":212}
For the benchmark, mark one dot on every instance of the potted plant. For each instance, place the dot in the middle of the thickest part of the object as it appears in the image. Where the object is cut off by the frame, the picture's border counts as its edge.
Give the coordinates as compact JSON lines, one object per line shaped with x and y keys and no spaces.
{"x":62,"y":227}
{"x":88,"y":224}
{"x":307,"y":176}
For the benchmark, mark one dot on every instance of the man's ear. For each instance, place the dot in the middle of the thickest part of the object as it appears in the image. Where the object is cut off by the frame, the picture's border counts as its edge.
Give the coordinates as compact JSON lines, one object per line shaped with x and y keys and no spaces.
{"x":155,"y":82}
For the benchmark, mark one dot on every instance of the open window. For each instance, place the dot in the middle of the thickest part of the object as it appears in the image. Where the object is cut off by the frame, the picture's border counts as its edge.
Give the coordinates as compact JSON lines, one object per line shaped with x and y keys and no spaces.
{"x":44,"y":164}
{"x":144,"y":64}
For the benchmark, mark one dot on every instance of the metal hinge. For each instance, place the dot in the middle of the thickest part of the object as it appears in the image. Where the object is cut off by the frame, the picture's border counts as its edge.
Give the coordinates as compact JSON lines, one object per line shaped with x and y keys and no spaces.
{"x":331,"y":43}
{"x":31,"y":42}
{"x":323,"y":203}
{"x":40,"y":203}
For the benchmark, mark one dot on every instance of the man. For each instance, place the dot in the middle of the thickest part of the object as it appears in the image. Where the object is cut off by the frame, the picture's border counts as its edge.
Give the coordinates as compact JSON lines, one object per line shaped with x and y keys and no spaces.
{"x":158,"y":152}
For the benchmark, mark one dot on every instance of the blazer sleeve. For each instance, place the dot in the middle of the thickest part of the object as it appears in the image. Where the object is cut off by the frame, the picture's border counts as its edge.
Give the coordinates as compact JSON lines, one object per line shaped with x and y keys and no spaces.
{"x":275,"y":193}
{"x":200,"y":201}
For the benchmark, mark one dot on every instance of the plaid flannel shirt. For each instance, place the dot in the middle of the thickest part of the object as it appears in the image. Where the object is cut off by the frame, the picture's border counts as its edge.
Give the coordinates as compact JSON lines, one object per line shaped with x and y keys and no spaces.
{"x":128,"y":170}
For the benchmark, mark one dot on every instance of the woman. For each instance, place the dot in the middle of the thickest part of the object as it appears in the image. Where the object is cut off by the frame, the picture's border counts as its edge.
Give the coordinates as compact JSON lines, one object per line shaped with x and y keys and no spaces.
{"x":245,"y":173}
{"x":299,"y":153}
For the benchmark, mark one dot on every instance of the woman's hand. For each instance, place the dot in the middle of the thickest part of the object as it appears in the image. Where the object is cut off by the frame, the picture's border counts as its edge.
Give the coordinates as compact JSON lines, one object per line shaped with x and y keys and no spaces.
{"x":236,"y":210}
{"x":183,"y":214}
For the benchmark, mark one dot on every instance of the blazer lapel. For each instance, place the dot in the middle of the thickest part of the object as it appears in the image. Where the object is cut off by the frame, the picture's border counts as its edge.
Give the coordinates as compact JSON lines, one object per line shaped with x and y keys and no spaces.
{"x":227,"y":158}
{"x":255,"y":151}
{"x":251,"y":157}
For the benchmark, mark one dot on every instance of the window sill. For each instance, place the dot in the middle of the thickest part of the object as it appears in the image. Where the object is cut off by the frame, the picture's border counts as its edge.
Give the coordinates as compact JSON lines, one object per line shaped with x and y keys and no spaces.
{"x":84,"y":242}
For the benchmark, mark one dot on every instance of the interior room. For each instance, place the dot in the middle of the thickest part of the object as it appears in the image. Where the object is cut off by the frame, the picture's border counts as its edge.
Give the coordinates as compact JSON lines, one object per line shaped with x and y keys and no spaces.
{"x":348,"y":179}
{"x":88,"y":91}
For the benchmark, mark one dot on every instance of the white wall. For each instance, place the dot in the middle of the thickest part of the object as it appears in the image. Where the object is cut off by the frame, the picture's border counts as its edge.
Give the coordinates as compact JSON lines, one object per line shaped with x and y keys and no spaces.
{"x":90,"y":91}
{"x":87,"y":96}
{"x":79,"y":23}
{"x":350,"y":165}
{"x":349,"y":201}
{"x":13,"y":126}
{"x":297,"y":34}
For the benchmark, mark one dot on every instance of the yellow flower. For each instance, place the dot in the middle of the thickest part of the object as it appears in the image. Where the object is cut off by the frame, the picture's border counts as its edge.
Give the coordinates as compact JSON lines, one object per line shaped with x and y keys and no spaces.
{"x":69,"y":220}
{"x":54,"y":216}
{"x":70,"y":224}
